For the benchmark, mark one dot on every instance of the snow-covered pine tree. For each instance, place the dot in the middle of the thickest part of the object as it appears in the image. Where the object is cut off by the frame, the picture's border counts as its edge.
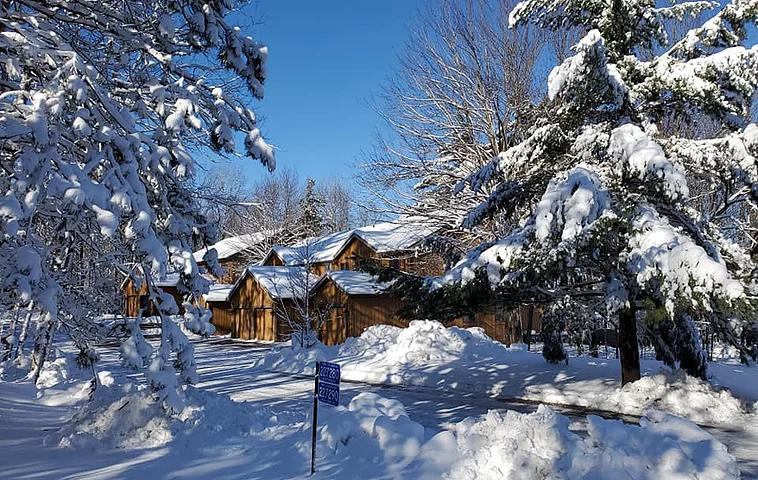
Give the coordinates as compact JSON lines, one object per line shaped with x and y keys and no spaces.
{"x":101,"y":104}
{"x":613,"y":224}
{"x":311,"y":222}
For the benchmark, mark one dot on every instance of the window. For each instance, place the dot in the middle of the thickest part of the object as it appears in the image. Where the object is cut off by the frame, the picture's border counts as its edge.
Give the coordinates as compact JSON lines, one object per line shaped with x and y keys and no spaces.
{"x":344,"y":266}
{"x":395,"y":263}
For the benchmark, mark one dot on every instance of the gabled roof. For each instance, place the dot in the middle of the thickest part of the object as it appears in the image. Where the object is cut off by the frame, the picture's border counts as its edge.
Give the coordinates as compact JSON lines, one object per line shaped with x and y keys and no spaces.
{"x":402,"y":234}
{"x":219,"y":292}
{"x":171,"y":279}
{"x":353,"y":282}
{"x":279,"y":282}
{"x":315,"y":250}
{"x":231,"y":246}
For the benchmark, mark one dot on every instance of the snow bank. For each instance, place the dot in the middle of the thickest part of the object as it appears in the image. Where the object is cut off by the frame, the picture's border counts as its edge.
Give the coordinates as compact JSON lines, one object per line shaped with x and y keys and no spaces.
{"x":427,"y":354}
{"x":525,"y":446}
{"x":125,"y":417}
{"x":540,"y":445}
{"x":373,"y":437}
{"x":675,"y":392}
{"x":415,"y":355}
{"x":374,"y":429}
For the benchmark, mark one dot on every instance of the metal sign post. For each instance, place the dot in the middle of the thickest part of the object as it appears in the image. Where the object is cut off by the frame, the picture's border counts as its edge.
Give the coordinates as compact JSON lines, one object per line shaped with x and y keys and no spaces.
{"x":327,"y":390}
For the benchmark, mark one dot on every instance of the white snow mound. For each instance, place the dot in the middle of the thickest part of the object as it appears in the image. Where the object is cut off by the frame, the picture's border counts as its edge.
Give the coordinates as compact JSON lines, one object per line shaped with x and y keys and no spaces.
{"x":137,"y":420}
{"x":427,"y":354}
{"x":540,"y":445}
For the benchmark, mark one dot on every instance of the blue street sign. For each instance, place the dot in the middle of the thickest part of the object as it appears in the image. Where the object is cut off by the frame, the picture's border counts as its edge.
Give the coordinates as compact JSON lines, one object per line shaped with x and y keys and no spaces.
{"x":327,"y":390}
{"x":329,"y":393}
{"x":329,"y":373}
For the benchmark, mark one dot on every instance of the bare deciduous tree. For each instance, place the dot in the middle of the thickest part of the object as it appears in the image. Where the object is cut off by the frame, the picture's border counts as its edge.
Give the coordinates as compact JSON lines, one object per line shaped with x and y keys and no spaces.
{"x":463,"y":85}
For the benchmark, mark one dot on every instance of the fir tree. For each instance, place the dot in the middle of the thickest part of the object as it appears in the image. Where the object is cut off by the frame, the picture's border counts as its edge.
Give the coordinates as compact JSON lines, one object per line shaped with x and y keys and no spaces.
{"x":613,"y":224}
{"x":311,"y":223}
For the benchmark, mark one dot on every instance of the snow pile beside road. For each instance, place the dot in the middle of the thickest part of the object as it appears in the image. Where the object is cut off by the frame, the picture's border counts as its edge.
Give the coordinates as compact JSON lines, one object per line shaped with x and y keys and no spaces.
{"x":372,"y":429}
{"x":129,"y":418}
{"x":680,"y":394}
{"x":373,"y":437}
{"x":540,"y":445}
{"x":410,"y":356}
{"x":427,"y":354}
{"x":425,"y":342}
{"x":674,"y":392}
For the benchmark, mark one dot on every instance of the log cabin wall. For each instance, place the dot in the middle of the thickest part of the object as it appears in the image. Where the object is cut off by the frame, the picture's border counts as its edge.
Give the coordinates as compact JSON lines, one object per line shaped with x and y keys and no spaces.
{"x":367,"y":310}
{"x":354,"y":249}
{"x":331,"y":301}
{"x":135,"y":300}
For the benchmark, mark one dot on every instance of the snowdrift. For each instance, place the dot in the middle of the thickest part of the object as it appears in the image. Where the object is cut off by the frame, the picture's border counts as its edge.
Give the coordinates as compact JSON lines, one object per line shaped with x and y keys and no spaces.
{"x":373,"y":437}
{"x":427,"y":354}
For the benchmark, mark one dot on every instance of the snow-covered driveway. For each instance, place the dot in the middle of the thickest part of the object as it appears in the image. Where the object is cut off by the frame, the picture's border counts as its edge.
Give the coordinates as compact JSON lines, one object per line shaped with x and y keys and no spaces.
{"x":227,"y":366}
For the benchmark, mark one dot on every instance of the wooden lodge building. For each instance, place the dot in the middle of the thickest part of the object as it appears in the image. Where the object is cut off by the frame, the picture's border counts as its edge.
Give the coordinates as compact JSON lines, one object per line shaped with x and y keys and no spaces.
{"x":352,"y":302}
{"x":254,"y":302}
{"x":393,"y":244}
{"x":137,"y":300}
{"x":232,"y":255}
{"x":262,"y":300}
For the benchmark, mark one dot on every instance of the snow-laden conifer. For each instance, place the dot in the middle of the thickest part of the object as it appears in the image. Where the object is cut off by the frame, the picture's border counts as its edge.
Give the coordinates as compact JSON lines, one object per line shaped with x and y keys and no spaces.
{"x":615,"y":222}
{"x":102,"y":105}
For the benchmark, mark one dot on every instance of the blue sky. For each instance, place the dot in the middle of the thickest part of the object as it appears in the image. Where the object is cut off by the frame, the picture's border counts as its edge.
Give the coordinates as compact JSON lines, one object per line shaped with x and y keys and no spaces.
{"x":326,"y":60}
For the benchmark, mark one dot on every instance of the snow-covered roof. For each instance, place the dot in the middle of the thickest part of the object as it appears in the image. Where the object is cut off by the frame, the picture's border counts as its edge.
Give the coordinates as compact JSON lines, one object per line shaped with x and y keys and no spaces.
{"x":219,"y":292}
{"x":401,"y":234}
{"x":282,"y":282}
{"x":233,"y":245}
{"x":315,"y":250}
{"x":355,"y":283}
{"x":171,"y":280}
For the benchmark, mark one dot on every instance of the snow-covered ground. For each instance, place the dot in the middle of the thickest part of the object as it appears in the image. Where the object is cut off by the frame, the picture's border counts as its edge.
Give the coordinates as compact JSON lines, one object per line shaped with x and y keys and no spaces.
{"x":466,"y":360}
{"x":378,"y":432}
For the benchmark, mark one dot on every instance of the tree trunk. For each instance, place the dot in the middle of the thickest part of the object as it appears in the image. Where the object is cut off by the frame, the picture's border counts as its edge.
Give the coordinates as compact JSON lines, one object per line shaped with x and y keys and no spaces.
{"x":628,"y":346}
{"x":42,"y":347}
{"x":529,"y":327}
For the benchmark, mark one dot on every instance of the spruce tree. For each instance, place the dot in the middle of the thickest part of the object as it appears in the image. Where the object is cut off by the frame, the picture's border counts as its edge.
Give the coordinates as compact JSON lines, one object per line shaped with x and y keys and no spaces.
{"x":614,"y":224}
{"x":311,"y":222}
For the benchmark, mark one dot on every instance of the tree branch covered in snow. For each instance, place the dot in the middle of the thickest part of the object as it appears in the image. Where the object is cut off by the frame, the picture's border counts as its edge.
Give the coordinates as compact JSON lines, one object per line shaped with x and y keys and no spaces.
{"x":102,"y":103}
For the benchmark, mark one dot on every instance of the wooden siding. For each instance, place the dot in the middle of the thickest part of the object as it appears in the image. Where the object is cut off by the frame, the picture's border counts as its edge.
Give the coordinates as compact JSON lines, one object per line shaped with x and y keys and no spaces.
{"x":319,"y":268}
{"x":332,"y":302}
{"x":255,"y":315}
{"x":255,"y":324}
{"x":367,"y":310}
{"x":222,"y":317}
{"x":233,"y":267}
{"x":133,"y":298}
{"x":350,"y":315}
{"x":504,"y":326}
{"x":273,"y":260}
{"x":346,"y":258}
